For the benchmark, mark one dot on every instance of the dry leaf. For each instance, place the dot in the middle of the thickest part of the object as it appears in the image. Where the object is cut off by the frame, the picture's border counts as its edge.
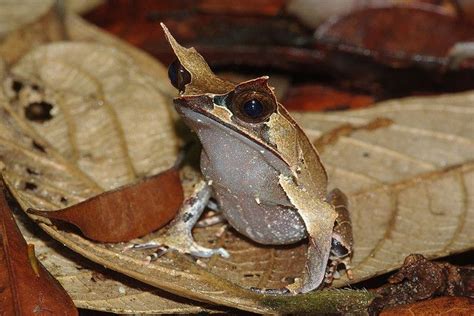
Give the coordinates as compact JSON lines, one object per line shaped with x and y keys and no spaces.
{"x":27,"y":24}
{"x":14,"y":16}
{"x":79,"y":30}
{"x":26,"y":286}
{"x":381,"y":33}
{"x":449,"y":306}
{"x":91,"y":286}
{"x":413,"y":177}
{"x":117,"y":294}
{"x":146,"y":302}
{"x":125,"y":213}
{"x":388,"y":173}
{"x":46,"y":178}
{"x":82,"y":6}
{"x":317,"y":97}
{"x":218,"y":280}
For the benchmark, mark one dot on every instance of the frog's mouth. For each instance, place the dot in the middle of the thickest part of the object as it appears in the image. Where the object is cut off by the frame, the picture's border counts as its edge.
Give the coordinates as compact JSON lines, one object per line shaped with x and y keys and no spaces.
{"x":195,"y":110}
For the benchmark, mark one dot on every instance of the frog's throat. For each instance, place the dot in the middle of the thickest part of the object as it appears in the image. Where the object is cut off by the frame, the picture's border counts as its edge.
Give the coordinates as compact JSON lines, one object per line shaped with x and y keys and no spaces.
{"x":195,"y":116}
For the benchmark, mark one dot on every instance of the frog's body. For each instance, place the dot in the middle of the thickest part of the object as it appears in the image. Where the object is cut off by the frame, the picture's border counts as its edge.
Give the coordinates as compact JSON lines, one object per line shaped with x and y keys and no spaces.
{"x":263,"y":171}
{"x":244,"y":177}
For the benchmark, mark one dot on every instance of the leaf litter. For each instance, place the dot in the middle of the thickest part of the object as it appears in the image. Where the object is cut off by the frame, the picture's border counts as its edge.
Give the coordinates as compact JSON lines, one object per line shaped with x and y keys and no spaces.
{"x":427,"y":154}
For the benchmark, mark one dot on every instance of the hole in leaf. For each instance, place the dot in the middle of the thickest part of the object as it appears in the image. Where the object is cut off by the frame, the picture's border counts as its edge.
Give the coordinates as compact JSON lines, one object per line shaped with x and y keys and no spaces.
{"x":63,"y":200}
{"x":17,"y":86}
{"x":38,"y":147}
{"x":39,"y":111}
{"x":289,"y":279}
{"x":32,"y":172}
{"x":30,"y":186}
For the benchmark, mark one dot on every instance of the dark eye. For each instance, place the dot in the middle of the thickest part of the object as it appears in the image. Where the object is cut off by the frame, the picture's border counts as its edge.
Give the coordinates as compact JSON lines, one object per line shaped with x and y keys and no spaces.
{"x":338,"y":249}
{"x":252,"y":106}
{"x":178,"y":75}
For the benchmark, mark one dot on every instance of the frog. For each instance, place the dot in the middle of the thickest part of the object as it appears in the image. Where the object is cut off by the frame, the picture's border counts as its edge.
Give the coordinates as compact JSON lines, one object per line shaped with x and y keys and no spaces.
{"x":259,"y":166}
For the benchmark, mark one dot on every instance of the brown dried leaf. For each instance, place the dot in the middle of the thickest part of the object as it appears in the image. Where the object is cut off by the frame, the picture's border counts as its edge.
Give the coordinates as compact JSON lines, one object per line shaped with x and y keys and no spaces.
{"x":413,"y":177}
{"x":125,"y":213}
{"x":388,"y":174}
{"x":91,"y":286}
{"x":317,"y":97}
{"x":26,"y":24}
{"x":44,"y":177}
{"x":381,"y":33}
{"x":79,"y":30}
{"x":26,"y":286}
{"x":449,"y":306}
{"x":116,"y":293}
{"x":90,"y":295}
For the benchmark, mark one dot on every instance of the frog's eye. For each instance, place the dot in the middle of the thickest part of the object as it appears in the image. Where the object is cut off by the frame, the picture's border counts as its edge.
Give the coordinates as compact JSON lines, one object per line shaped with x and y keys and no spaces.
{"x":252,"y":106}
{"x":178,"y":75}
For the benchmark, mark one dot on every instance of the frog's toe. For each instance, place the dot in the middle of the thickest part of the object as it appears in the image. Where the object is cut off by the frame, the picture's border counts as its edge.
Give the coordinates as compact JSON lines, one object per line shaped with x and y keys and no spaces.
{"x":178,"y":234}
{"x":199,"y":251}
{"x":146,"y":245}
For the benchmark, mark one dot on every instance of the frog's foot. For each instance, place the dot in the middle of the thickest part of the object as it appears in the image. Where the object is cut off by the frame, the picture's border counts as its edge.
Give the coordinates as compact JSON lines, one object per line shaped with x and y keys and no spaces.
{"x":332,"y":271}
{"x":341,"y":243}
{"x":212,"y":219}
{"x":178,"y":235}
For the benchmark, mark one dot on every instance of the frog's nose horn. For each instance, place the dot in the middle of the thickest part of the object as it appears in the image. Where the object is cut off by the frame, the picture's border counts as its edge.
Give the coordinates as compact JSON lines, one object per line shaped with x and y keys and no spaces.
{"x":191,"y":74}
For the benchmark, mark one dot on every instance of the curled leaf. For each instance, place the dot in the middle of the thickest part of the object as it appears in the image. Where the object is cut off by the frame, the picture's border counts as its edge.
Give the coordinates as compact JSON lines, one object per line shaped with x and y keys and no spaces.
{"x":125,"y":213}
{"x":450,"y":306}
{"x":381,"y":33}
{"x":26,"y":286}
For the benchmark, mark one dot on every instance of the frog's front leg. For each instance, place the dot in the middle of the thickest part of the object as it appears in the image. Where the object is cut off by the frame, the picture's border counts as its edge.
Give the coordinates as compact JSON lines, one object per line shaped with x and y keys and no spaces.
{"x":342,"y":240}
{"x":178,"y":235}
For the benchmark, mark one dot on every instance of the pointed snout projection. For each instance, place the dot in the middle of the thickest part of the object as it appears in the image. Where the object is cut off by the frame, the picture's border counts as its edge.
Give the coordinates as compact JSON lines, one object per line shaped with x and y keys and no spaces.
{"x":191,"y":74}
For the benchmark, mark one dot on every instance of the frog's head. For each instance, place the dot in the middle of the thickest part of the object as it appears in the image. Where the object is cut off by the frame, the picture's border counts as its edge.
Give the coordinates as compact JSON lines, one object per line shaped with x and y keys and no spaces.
{"x":258,"y":158}
{"x":248,"y":108}
{"x":248,"y":112}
